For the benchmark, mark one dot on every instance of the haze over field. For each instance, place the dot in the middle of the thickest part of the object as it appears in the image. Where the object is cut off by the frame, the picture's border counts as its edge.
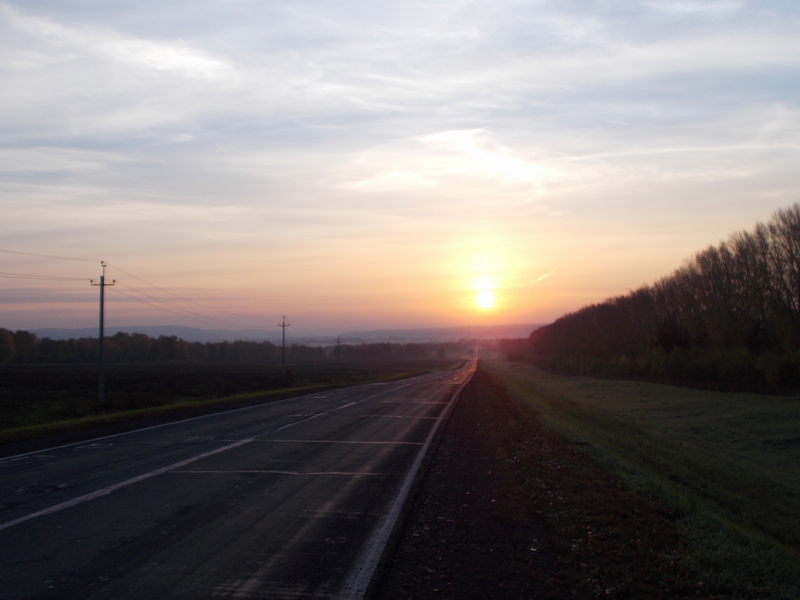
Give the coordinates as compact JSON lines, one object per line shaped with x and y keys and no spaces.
{"x":369,"y":165}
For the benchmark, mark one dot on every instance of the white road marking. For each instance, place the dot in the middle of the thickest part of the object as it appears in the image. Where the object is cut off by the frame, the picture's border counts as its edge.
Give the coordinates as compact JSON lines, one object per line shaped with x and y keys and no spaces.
{"x":409,"y":402}
{"x":107,"y":490}
{"x":272,"y":403}
{"x":349,"y":474}
{"x":360,"y":577}
{"x":303,"y":420}
{"x":400,"y":417}
{"x":389,"y":443}
{"x":111,"y":488}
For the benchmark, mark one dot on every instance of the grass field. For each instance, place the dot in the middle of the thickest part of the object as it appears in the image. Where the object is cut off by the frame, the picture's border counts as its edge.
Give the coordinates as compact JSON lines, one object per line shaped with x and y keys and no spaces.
{"x":728,"y":464}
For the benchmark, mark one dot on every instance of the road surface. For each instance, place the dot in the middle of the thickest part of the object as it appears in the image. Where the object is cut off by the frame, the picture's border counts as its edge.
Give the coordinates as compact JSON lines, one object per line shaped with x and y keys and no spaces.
{"x":290,"y":499}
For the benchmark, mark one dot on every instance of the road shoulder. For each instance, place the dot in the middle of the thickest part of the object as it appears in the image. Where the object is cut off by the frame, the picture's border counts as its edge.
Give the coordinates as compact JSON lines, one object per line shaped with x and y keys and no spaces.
{"x":510,"y":509}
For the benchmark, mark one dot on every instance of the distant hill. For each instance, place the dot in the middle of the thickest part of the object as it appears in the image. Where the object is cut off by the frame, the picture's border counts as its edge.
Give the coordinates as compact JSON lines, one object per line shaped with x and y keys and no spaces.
{"x":442,"y":334}
{"x":192,"y":334}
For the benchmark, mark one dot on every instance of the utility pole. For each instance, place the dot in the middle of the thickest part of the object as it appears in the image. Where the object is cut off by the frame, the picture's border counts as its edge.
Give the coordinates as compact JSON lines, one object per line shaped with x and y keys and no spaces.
{"x":283,"y":326}
{"x":100,"y":378}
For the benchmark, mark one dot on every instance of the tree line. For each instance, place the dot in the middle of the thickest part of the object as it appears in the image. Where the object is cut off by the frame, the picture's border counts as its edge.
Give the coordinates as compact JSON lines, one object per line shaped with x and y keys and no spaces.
{"x":728,"y":317}
{"x":24,"y":347}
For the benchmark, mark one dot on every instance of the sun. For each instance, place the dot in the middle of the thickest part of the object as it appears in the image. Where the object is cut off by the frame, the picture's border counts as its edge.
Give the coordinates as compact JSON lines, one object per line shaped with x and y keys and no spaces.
{"x":484,"y":299}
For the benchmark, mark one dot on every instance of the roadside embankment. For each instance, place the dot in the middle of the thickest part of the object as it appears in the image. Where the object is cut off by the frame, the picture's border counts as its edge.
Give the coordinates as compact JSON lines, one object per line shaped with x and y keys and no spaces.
{"x":527,"y":497}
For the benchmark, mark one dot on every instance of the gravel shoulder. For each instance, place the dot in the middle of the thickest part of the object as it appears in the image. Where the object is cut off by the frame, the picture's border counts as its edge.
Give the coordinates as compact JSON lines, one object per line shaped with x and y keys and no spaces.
{"x":509,"y":509}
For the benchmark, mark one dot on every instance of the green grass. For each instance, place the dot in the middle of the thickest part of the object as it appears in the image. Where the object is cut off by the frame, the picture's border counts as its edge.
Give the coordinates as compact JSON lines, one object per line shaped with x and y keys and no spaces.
{"x":728,"y":464}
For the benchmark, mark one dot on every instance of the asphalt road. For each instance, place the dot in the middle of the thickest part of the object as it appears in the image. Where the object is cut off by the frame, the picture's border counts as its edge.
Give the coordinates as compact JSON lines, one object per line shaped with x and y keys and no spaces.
{"x":290,"y":499}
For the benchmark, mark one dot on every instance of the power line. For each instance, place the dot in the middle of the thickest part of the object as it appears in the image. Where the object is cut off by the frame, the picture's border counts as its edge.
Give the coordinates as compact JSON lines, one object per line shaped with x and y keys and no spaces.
{"x":49,"y":256}
{"x":154,"y":305}
{"x":173,"y":294}
{"x":100,"y":338}
{"x":44,"y":277}
{"x":177,"y":310}
{"x":283,"y":326}
{"x":156,"y":302}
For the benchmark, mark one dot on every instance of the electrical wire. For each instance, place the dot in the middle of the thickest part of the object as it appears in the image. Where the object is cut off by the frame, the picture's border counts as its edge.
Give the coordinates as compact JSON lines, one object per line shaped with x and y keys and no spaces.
{"x":44,"y":277}
{"x":48,"y":256}
{"x":157,"y":302}
{"x":173,"y":294}
{"x":178,"y":312}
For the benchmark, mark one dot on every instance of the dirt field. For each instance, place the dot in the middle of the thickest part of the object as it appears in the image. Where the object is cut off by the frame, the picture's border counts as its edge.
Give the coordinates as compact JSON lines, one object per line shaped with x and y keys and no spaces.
{"x":511,"y":510}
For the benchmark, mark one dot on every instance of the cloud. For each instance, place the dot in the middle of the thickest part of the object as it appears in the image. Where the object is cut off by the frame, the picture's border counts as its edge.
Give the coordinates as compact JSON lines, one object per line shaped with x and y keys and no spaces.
{"x":391,"y":181}
{"x":74,"y":43}
{"x":707,"y":6}
{"x":455,"y":159}
{"x":485,"y":155}
{"x":67,"y":160}
{"x":216,"y":132}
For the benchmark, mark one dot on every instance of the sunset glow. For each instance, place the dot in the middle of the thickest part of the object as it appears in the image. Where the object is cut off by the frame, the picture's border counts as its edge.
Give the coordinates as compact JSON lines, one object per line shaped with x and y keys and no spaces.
{"x":408,"y":165}
{"x":485,"y":299}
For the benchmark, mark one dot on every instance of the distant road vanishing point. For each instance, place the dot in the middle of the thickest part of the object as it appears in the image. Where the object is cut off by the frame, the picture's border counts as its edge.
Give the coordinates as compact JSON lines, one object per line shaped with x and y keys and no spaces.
{"x":288,"y":499}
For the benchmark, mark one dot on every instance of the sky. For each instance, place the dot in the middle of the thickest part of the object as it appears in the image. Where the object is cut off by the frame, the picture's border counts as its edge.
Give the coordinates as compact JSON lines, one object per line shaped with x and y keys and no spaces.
{"x":393,"y":164}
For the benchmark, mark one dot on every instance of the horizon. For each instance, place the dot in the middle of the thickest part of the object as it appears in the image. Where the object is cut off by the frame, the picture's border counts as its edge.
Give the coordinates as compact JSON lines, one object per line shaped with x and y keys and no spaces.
{"x":368,"y":167}
{"x":194,"y":334}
